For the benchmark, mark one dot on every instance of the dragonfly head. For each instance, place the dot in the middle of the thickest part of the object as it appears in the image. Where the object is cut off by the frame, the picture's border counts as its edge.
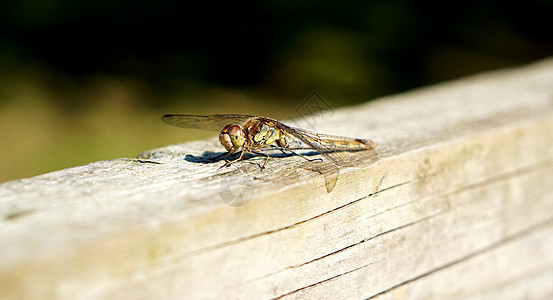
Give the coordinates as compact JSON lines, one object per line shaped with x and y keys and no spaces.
{"x":232,"y":137}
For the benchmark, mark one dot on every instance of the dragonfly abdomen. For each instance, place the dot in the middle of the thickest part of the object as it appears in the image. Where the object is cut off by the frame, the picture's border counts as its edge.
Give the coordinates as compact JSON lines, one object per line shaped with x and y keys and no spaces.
{"x":347,"y":144}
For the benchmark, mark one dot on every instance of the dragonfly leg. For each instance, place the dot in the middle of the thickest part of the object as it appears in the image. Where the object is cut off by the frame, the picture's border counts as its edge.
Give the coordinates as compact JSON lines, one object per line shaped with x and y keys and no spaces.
{"x":266,"y":158}
{"x":230,"y":162}
{"x":296,"y":153}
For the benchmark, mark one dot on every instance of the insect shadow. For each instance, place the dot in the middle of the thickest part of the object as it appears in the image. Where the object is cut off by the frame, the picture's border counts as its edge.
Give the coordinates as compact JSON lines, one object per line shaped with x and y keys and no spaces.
{"x":213,"y":157}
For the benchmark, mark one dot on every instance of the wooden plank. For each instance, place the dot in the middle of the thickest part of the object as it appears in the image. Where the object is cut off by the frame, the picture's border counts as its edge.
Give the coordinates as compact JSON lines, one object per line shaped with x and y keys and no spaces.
{"x":456,"y":202}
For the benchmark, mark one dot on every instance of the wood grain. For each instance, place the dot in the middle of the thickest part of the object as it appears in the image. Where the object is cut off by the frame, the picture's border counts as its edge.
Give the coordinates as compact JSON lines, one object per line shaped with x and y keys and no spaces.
{"x":455,"y":203}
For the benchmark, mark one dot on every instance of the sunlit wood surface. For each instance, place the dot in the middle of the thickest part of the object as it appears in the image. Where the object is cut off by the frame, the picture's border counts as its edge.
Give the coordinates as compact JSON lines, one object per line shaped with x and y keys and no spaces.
{"x":455,"y":203}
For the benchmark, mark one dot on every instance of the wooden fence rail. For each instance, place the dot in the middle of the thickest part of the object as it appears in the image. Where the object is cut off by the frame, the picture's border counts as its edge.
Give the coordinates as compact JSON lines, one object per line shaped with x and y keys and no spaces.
{"x":455,"y":203}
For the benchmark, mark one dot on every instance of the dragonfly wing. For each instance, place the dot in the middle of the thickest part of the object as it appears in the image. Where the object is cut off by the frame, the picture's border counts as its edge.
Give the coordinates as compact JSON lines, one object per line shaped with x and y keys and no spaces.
{"x":328,"y":145}
{"x":213,"y":122}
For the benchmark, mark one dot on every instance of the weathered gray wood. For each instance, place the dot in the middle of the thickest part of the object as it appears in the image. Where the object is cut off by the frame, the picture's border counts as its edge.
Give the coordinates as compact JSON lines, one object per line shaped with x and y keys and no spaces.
{"x":456,"y":203}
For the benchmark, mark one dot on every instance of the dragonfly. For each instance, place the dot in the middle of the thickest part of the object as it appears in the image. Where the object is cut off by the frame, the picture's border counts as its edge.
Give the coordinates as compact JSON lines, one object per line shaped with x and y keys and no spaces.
{"x":251,"y":134}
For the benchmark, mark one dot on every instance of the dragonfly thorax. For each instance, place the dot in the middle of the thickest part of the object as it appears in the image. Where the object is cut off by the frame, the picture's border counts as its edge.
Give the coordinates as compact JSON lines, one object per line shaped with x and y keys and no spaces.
{"x":232,"y":137}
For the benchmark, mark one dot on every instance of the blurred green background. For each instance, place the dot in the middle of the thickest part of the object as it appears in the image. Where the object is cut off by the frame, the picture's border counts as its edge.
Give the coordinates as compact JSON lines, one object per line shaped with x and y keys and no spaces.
{"x":82,"y":81}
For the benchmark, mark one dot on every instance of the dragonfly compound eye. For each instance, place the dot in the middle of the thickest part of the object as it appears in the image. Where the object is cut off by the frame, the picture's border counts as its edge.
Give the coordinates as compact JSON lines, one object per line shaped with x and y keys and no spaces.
{"x":237,"y":135}
{"x":232,"y":137}
{"x":224,"y":138}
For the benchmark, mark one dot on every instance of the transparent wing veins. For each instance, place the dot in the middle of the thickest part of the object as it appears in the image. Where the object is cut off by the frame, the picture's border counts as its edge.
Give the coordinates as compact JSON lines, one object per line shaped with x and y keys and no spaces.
{"x":213,"y":122}
{"x":325,"y":144}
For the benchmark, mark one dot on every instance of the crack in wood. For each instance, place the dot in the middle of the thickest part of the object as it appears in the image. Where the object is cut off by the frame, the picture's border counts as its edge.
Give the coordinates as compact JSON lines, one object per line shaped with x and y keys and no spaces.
{"x":344,"y":248}
{"x":242,"y":239}
{"x":537,"y":227}
{"x":516,"y":236}
{"x":505,"y":176}
{"x":322,"y":281}
{"x":518,"y":172}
